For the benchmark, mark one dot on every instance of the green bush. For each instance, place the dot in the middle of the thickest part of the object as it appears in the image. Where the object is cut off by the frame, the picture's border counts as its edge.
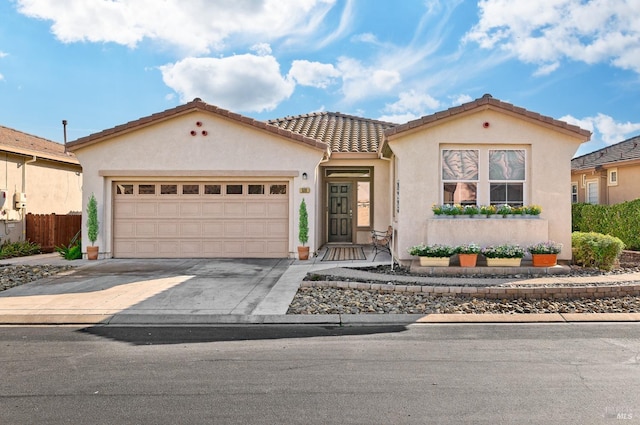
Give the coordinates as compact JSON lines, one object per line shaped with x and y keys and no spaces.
{"x":596,"y":250}
{"x":10,"y":249}
{"x":619,"y":220}
{"x":73,"y":251}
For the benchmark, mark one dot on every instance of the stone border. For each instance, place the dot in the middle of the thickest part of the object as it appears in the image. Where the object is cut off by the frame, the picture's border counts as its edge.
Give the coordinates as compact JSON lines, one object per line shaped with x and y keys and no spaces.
{"x":488,"y":292}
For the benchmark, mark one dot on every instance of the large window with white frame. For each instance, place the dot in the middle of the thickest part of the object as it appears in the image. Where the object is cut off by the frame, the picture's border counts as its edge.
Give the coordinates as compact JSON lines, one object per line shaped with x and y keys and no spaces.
{"x":592,"y":192}
{"x":460,"y":176}
{"x":484,"y":176}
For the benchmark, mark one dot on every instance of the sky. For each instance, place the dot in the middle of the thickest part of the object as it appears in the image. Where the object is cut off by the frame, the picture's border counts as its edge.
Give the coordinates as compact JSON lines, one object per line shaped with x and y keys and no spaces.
{"x":102,"y":63}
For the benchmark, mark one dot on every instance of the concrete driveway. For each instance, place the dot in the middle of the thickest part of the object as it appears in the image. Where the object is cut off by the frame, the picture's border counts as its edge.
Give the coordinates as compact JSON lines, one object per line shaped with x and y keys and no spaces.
{"x":193,"y":289}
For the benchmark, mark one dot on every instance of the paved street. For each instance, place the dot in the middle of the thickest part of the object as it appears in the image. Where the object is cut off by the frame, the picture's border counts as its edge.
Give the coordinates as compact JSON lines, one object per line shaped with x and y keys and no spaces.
{"x":444,"y":374}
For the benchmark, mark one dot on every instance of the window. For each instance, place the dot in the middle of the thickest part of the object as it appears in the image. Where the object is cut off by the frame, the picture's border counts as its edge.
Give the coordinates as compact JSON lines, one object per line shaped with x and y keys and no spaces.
{"x":124,"y":189}
{"x":592,"y":192}
{"x":278,"y":189}
{"x":190,"y":189}
{"x":460,"y":176}
{"x":147,"y":189}
{"x":364,"y":204}
{"x":574,"y":193}
{"x":168,"y":189}
{"x":212,"y":189}
{"x":613,"y":176}
{"x":506,"y":177}
{"x":256,"y":189}
{"x":234,"y":189}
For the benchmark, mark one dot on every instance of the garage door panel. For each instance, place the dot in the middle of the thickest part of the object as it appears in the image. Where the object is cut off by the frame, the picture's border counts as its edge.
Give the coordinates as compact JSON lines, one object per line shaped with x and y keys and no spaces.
{"x":278,"y":229}
{"x":168,"y":209}
{"x":190,"y":209}
{"x":198,"y":225}
{"x":191,"y":229}
{"x":146,"y":209}
{"x":213,"y":209}
{"x":234,"y":229}
{"x":278,"y":209}
{"x":234,"y":209}
{"x":256,"y":209}
{"x":168,"y":229}
{"x":213,"y":229}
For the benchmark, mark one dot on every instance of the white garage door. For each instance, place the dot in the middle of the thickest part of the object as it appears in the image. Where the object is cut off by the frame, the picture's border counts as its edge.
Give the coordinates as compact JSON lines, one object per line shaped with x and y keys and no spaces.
{"x":201,"y":219}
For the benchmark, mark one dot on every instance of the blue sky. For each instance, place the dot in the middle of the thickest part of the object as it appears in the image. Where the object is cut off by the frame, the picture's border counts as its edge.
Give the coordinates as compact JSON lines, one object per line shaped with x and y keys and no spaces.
{"x":101,"y":63}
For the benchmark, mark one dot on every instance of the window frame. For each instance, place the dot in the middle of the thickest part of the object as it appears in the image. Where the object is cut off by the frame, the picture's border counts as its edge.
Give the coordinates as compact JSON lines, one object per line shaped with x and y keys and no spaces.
{"x":613,"y":177}
{"x":459,"y":181}
{"x":574,"y":192}
{"x":483,"y":188}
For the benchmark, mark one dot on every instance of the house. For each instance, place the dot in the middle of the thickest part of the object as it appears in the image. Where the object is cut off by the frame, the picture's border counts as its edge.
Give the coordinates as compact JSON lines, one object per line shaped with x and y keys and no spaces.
{"x":607,"y":176}
{"x":200,"y":181}
{"x":37,"y":176}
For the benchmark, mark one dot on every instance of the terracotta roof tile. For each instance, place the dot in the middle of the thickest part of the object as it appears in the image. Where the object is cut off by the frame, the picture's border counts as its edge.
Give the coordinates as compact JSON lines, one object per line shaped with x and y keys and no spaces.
{"x":343,"y":133}
{"x":18,"y":142}
{"x":196,"y":104}
{"x":487,"y":100}
{"x":627,"y":150}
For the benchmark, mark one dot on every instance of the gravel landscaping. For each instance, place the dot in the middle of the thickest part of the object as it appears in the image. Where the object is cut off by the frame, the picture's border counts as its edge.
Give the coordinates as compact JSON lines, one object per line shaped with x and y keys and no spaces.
{"x":329,"y":300}
{"x":16,"y":275}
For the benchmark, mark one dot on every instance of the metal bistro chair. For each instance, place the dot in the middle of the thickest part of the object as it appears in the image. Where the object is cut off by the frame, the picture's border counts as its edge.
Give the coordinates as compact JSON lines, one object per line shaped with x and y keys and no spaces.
{"x":381,"y":241}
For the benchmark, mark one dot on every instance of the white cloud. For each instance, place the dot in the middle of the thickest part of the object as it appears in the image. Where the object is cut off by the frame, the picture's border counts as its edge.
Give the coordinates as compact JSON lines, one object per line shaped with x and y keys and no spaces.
{"x":605,"y":128}
{"x":195,"y":27}
{"x":246,"y":83}
{"x":314,"y":74}
{"x":545,"y":32}
{"x":3,"y":54}
{"x":398,"y":118}
{"x":459,"y":99}
{"x":414,"y":102}
{"x":360,"y":82}
{"x":261,"y":49}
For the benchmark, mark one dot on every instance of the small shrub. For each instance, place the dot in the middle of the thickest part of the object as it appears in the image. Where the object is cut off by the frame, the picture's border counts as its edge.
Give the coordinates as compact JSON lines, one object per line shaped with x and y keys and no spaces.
{"x":503,"y":251}
{"x":10,"y":249}
{"x":596,"y":250}
{"x":73,"y":251}
{"x":436,"y":251}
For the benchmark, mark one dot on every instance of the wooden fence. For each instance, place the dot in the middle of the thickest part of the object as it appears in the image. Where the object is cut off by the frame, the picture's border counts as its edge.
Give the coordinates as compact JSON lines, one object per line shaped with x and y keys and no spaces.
{"x":52,"y":230}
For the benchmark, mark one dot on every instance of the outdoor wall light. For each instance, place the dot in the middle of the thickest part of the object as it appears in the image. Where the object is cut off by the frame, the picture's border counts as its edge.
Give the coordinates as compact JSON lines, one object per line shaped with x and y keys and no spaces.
{"x":304,"y":176}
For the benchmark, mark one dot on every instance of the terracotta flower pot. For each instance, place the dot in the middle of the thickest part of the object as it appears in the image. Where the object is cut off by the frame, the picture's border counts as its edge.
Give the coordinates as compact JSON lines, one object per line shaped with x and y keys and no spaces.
{"x":92,"y":252}
{"x":303,"y":252}
{"x":468,"y":260}
{"x":544,"y":260}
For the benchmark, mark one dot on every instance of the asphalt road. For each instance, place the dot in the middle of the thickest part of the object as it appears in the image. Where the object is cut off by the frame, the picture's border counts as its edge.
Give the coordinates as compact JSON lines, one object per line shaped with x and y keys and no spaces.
{"x":421,"y":374}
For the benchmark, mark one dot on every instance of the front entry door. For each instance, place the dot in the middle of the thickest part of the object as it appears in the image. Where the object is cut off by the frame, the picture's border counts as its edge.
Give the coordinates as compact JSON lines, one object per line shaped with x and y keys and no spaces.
{"x":340,"y":212}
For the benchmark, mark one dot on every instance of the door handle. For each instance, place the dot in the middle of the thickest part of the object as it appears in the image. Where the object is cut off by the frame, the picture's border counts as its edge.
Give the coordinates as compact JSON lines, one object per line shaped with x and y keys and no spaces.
{"x":350,"y":213}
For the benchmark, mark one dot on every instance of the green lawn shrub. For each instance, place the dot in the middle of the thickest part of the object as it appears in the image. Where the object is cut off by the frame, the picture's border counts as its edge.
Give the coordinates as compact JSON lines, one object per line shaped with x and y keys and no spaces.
{"x":73,"y":251}
{"x":10,"y":249}
{"x":619,"y":220}
{"x":595,"y":249}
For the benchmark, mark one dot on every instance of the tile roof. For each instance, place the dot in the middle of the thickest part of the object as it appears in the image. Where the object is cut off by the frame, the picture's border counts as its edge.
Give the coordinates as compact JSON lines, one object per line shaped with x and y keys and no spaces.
{"x":485,"y":102}
{"x":343,"y":133}
{"x":627,"y":150}
{"x":196,"y":104}
{"x":15,"y":141}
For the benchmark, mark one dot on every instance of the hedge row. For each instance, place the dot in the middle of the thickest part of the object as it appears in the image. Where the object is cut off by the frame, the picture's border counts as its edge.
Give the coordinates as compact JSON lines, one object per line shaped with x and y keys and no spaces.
{"x":595,"y":250}
{"x":619,"y":220}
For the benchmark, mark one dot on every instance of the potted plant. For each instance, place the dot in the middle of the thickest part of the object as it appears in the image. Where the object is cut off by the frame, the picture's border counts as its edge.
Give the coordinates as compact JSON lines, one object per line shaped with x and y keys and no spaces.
{"x":92,"y":227}
{"x":471,"y":210}
{"x":487,"y":210}
{"x":504,"y":210}
{"x":437,"y":210}
{"x":452,"y":210}
{"x":437,"y":255}
{"x":545,"y":254}
{"x":533,"y":210}
{"x":505,"y":255}
{"x":303,"y":231}
{"x":467,"y":254}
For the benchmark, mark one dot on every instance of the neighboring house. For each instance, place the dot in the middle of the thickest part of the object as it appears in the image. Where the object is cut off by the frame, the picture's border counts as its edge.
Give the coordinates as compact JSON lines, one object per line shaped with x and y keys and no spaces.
{"x":607,"y":176}
{"x":49,"y":179}
{"x":200,"y":181}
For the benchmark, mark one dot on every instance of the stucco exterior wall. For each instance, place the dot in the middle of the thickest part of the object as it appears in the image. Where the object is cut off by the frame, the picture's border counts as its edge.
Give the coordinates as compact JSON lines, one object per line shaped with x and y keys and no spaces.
{"x":167,"y":150}
{"x":548,"y":168}
{"x":50,"y":186}
{"x":628,"y":187}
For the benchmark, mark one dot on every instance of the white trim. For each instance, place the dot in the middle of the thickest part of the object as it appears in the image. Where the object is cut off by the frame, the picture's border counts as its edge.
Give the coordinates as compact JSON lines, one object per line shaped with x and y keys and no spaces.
{"x":612,"y":177}
{"x":574,"y":185}
{"x":587,"y":198}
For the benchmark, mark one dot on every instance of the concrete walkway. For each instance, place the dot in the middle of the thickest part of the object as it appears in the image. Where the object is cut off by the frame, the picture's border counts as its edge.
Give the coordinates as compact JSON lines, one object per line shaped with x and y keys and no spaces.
{"x":212,"y":292}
